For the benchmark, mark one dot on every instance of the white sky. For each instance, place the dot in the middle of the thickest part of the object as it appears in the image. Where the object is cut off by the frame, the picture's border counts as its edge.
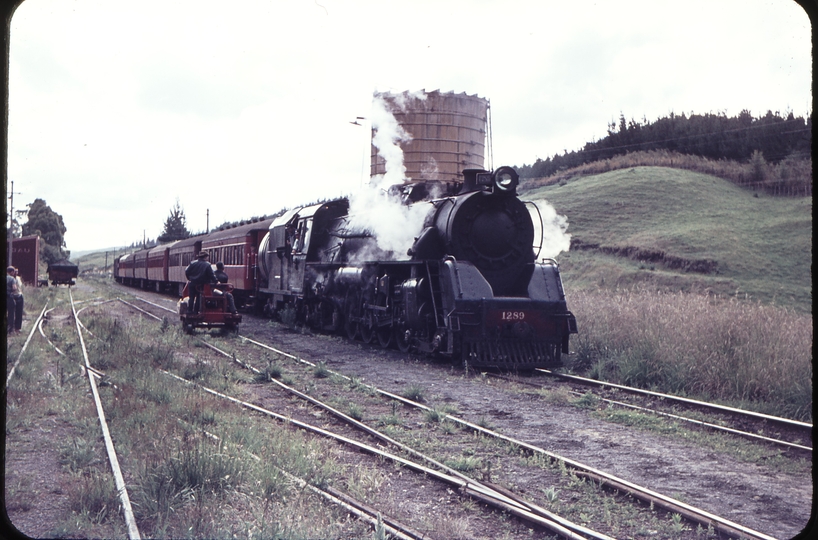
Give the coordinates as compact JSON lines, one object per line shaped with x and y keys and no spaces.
{"x":116,"y":109}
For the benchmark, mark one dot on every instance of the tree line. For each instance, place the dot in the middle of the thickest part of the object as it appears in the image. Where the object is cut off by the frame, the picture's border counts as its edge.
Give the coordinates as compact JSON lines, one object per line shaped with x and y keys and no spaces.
{"x":44,"y":222}
{"x":175,"y":227}
{"x":768,"y":144}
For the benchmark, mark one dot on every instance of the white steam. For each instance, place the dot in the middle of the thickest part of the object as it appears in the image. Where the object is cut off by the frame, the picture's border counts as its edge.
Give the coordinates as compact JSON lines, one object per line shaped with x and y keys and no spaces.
{"x":554,"y":238}
{"x":372,"y":209}
{"x":394,"y":225}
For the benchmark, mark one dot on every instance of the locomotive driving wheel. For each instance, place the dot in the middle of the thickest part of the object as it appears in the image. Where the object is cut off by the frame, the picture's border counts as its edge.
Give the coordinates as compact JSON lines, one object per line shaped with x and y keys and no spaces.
{"x":350,"y":326}
{"x":384,"y":334}
{"x":367,"y":332}
{"x":352,"y":303}
{"x":403,"y":339}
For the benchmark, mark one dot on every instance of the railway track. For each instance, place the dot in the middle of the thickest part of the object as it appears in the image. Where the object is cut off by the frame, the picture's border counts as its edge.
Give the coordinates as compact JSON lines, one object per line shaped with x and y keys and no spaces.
{"x":695,"y":515}
{"x":93,"y":376}
{"x":382,"y":525}
{"x":425,"y":465}
{"x":782,"y":432}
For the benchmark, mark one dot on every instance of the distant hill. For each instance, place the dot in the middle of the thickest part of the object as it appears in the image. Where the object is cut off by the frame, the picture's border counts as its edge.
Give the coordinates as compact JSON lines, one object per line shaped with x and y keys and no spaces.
{"x":679,"y":230}
{"x":94,"y":260}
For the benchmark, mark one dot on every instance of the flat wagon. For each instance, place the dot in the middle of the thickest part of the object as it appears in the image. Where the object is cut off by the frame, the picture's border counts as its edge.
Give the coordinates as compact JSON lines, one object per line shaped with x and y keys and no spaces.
{"x":63,"y":272}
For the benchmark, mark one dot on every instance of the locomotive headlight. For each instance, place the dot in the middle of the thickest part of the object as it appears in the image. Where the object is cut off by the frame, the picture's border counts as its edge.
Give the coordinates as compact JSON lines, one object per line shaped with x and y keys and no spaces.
{"x":506,"y":179}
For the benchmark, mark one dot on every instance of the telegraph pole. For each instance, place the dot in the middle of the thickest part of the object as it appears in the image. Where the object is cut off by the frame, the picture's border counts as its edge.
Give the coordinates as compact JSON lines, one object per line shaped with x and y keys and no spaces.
{"x":10,"y":235}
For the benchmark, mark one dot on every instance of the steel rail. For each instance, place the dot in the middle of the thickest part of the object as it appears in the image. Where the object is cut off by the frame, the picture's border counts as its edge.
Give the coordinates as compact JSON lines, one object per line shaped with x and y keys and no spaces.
{"x":98,"y":374}
{"x":672,"y":505}
{"x":669,"y":397}
{"x":361,"y":510}
{"x":716,"y":427}
{"x":393,"y":527}
{"x":25,"y":346}
{"x":352,"y":505}
{"x":475,"y":489}
{"x":489,"y":496}
{"x":692,"y":513}
{"x":42,"y":333}
{"x":512,"y":499}
{"x":385,"y":438}
{"x":139,"y":309}
{"x":86,"y":307}
{"x":156,"y":305}
{"x":709,"y":425}
{"x":127,"y":511}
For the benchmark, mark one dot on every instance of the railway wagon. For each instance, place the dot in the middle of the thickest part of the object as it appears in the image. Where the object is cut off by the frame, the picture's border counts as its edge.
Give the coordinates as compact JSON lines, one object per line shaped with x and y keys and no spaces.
{"x":63,"y":272}
{"x":179,"y":256}
{"x":237,"y":247}
{"x":123,"y":269}
{"x":157,"y":267}
{"x":140,"y":268}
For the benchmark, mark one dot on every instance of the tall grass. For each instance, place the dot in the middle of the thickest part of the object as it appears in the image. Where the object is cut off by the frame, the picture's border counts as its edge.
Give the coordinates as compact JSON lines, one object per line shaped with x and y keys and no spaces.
{"x":695,"y":345}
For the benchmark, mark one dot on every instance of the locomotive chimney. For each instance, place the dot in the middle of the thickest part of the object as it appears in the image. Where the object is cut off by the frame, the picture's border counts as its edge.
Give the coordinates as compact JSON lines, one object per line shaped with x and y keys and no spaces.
{"x":470,"y":180}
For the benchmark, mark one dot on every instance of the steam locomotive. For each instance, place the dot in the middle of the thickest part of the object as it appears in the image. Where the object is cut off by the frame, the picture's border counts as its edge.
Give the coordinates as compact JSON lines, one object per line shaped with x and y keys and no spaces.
{"x":471,"y":288}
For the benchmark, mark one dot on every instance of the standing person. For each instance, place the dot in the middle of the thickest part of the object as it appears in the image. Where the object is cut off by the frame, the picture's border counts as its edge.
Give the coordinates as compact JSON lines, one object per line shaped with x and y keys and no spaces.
{"x":14,"y":302}
{"x":18,"y":320}
{"x":198,"y":273}
{"x":19,"y":279}
{"x":221,"y":275}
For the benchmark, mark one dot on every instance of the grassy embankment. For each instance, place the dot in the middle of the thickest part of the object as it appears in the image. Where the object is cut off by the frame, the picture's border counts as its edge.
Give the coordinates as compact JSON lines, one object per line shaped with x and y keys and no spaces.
{"x":684,"y":282}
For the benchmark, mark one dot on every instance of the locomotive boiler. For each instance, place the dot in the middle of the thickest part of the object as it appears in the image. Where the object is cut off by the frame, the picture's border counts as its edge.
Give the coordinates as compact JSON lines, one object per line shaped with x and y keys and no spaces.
{"x":469,"y":288}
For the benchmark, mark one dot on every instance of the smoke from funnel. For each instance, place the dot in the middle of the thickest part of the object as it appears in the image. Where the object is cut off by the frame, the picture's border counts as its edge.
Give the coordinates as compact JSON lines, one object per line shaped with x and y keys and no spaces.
{"x":372,"y":209}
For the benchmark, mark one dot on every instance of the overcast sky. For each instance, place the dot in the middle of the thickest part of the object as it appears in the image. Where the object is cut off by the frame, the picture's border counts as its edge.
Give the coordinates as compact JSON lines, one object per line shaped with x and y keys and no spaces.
{"x":118,"y":109}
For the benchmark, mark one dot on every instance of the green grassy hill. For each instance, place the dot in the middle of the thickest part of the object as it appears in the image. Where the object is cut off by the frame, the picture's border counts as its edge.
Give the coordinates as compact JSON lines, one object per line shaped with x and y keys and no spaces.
{"x":95,"y":261}
{"x":678,"y":230}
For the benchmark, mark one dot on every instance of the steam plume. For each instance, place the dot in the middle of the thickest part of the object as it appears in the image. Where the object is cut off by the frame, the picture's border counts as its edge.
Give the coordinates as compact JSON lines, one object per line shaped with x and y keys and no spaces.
{"x":372,"y":209}
{"x":555,"y":239}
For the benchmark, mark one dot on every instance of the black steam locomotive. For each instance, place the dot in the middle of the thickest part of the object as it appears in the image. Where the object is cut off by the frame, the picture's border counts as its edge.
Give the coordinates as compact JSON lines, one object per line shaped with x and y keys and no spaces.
{"x":471,"y":288}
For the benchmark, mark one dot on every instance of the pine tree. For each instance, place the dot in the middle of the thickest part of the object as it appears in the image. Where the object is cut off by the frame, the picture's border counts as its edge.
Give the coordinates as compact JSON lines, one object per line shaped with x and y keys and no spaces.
{"x":175,"y":228}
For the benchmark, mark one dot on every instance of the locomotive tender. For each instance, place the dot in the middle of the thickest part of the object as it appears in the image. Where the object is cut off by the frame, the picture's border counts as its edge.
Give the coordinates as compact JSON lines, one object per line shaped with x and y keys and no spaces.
{"x":470,"y":288}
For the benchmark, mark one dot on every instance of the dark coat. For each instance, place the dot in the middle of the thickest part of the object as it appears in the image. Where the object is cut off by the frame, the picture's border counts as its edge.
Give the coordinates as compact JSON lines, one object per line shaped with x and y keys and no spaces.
{"x":200,"y":272}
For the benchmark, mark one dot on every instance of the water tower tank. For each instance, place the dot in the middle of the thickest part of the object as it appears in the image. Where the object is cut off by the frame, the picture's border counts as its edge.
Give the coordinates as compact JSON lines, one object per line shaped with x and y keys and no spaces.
{"x":448,"y":134}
